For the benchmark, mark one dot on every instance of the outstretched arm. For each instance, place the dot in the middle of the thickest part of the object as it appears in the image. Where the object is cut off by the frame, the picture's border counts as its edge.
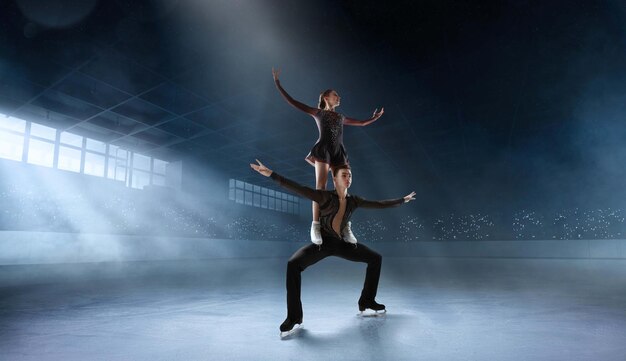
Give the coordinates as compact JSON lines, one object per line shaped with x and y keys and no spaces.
{"x":361,"y":202}
{"x":310,"y":193}
{"x":362,"y":123}
{"x":296,"y":104}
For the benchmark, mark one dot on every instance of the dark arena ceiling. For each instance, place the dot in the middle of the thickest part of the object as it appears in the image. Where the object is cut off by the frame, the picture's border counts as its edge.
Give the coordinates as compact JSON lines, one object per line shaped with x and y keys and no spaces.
{"x":471,"y":90}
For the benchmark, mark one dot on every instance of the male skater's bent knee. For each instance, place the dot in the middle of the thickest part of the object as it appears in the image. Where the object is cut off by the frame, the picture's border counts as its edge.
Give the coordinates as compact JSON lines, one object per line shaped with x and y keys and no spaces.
{"x":376,"y":258}
{"x":294,"y":266}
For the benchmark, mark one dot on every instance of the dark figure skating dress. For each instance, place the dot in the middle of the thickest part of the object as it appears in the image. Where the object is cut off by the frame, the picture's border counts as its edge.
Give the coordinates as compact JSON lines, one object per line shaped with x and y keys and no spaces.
{"x":329,"y":147}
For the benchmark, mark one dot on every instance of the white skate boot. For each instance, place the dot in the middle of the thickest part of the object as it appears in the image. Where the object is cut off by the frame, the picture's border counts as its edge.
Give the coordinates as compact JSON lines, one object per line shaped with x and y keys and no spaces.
{"x":348,"y":236}
{"x":316,"y":233}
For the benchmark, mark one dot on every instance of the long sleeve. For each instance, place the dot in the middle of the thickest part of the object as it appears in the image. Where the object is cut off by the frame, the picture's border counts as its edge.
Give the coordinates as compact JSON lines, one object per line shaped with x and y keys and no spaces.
{"x":310,"y":193}
{"x":361,"y":202}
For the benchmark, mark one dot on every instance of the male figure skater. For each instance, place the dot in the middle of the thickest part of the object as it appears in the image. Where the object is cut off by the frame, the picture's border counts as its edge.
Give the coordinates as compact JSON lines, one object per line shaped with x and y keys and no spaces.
{"x":336,"y":208}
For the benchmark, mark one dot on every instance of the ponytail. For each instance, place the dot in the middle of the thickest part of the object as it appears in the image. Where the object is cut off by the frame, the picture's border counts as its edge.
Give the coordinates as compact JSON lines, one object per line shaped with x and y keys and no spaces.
{"x":322,"y":103}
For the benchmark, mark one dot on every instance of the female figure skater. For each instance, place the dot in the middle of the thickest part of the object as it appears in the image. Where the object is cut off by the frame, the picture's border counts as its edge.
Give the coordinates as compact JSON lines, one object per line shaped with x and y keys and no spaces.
{"x":329,"y":150}
{"x":337,"y":208}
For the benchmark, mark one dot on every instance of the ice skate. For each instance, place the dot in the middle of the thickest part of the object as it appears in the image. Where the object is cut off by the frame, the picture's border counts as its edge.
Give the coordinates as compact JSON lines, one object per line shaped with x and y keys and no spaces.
{"x":370,"y":308}
{"x":348,"y":236}
{"x":316,"y":233}
{"x":287,"y":328}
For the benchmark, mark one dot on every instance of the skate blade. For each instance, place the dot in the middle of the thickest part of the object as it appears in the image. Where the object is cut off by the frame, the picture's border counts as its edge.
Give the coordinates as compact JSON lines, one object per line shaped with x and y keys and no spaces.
{"x":291,"y":332}
{"x":371,"y":313}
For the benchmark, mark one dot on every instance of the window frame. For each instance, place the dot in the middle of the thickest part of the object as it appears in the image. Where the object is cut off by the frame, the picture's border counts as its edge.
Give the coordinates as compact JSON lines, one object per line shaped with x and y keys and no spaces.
{"x":257,"y":196}
{"x":112,"y":162}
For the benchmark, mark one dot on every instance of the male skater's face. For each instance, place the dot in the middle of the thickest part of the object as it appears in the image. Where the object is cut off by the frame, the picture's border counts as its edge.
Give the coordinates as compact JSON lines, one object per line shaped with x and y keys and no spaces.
{"x":343,"y":177}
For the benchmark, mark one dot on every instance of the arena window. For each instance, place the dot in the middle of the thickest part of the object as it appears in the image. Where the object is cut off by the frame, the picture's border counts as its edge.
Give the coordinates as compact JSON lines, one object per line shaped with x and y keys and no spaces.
{"x":261,"y":197}
{"x":41,"y":145}
{"x":12,"y":138}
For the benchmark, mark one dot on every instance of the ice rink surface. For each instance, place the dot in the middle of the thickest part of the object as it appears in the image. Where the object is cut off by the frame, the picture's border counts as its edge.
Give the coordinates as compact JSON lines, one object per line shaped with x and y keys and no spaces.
{"x":438,"y":309}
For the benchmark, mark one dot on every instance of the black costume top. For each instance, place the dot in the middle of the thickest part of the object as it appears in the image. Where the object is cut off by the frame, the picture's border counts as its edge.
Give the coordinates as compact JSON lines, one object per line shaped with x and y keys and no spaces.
{"x":329,"y":203}
{"x":329,"y":147}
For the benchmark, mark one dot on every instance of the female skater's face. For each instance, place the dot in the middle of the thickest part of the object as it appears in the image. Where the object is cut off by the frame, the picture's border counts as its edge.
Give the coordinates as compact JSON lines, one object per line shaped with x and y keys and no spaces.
{"x":332,"y":99}
{"x":343,"y":178}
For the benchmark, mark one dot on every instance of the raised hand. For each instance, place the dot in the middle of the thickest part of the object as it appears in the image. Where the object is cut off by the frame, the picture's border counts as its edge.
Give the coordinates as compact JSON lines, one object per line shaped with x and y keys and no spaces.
{"x":275,"y":74}
{"x":378,"y":114}
{"x":261,"y":168}
{"x":408,"y":197}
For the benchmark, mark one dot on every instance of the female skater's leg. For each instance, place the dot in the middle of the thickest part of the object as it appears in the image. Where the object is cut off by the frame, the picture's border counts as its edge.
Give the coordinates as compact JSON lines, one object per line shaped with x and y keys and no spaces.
{"x":321,"y":178}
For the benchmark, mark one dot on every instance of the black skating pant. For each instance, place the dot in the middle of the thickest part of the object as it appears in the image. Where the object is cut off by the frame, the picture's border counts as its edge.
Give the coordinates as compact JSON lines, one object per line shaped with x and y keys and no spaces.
{"x":331,"y":246}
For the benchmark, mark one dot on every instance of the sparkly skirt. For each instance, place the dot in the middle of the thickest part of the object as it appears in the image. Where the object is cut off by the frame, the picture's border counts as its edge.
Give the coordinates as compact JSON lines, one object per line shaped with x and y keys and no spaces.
{"x":326,"y":152}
